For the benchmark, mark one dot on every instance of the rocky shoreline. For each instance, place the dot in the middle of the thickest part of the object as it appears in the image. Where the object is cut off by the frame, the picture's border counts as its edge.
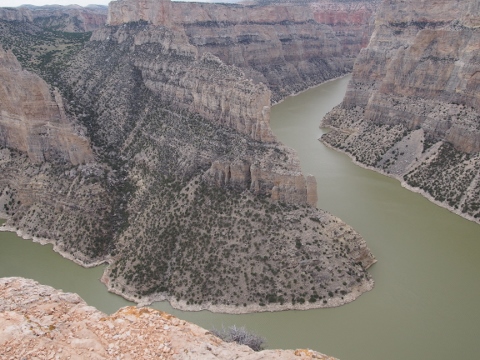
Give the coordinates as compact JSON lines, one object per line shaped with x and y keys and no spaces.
{"x":55,"y":247}
{"x":248,"y":309}
{"x":400,"y":179}
{"x":366,"y":286}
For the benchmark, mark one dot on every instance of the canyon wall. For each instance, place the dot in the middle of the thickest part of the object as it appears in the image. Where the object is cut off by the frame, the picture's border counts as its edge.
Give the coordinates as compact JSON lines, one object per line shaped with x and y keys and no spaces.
{"x":173,"y":71}
{"x":33,"y":118}
{"x":72,"y":18}
{"x":412,"y":108}
{"x":149,"y":84}
{"x":289,"y":47}
{"x":190,"y":198}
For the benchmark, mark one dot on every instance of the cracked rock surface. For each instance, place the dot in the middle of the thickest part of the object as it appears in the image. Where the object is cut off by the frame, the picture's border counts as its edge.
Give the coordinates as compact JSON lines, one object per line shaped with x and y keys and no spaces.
{"x":39,"y":322}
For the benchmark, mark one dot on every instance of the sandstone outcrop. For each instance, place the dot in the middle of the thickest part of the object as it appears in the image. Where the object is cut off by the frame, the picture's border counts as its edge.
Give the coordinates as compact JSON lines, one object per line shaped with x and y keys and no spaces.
{"x":72,"y":18}
{"x":289,"y":47}
{"x":412,"y":108}
{"x":33,"y":118}
{"x":37,"y":320}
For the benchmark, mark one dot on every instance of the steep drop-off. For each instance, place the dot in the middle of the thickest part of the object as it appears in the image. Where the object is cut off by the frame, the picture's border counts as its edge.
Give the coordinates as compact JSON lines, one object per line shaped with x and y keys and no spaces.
{"x":190,"y":197}
{"x":33,"y":118}
{"x":41,"y":322}
{"x":412,"y":109}
{"x":289,"y":47}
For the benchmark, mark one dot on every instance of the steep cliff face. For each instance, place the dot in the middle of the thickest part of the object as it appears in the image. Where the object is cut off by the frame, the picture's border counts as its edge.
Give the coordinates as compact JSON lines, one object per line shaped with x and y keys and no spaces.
{"x":163,"y":64}
{"x":43,"y":322}
{"x":33,"y":118}
{"x":71,"y":18}
{"x":412,"y":108}
{"x":146,"y":82}
{"x":289,"y":47}
{"x":192,"y":199}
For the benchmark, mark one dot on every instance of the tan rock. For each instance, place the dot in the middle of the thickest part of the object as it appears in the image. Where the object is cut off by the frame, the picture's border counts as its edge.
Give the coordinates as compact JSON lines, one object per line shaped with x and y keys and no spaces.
{"x":289,"y":46}
{"x":95,"y":335}
{"x":33,"y":118}
{"x":416,"y":84}
{"x":71,"y":18}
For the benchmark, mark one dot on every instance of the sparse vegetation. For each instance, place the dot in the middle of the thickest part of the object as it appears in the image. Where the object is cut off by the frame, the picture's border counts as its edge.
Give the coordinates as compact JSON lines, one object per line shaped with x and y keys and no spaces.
{"x":153,"y":204}
{"x":241,"y":336}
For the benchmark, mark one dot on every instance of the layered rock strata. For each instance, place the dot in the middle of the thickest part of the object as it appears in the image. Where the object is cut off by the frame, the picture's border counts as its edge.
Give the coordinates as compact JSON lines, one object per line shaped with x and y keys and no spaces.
{"x":191,"y":198}
{"x":289,"y":47}
{"x":412,"y":108}
{"x":71,"y":18}
{"x":39,"y":321}
{"x":173,"y":71}
{"x":33,"y":118}
{"x":134,"y":78}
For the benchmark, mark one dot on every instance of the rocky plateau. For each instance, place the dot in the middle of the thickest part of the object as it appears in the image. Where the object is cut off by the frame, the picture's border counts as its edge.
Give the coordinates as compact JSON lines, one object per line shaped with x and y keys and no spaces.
{"x":38,"y":321}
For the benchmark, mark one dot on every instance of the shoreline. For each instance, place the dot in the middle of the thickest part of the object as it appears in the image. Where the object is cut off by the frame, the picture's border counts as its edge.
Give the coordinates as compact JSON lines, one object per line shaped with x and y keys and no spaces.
{"x":55,"y":247}
{"x":401,"y":181}
{"x":357,"y":291}
{"x":181,"y":305}
{"x":366,"y":286}
{"x":310,"y":88}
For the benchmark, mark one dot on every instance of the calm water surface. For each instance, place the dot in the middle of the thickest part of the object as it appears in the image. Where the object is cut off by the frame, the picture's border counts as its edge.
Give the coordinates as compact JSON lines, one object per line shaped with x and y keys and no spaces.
{"x":425,"y":304}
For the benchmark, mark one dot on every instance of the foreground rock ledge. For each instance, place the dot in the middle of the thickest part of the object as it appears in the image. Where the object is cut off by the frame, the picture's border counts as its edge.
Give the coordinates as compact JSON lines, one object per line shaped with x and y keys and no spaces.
{"x":40,"y":321}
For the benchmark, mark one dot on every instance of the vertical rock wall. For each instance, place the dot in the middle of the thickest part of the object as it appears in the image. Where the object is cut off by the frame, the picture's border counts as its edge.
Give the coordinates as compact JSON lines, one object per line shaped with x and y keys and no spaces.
{"x":289,"y":46}
{"x":33,"y":118}
{"x":415,"y":97}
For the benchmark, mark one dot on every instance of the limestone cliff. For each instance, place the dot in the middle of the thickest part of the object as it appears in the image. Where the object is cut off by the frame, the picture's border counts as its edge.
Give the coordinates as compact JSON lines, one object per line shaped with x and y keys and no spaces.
{"x":191,"y":198}
{"x":150,"y":85}
{"x":39,"y":321}
{"x":170,"y":69}
{"x":71,"y":18}
{"x":33,"y":118}
{"x":289,"y":47}
{"x":412,"y":108}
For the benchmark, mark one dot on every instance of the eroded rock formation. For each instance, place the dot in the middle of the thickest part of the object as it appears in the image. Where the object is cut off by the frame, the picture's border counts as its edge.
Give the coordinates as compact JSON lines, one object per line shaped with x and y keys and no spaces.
{"x":33,"y":118}
{"x":412,"y":108}
{"x":71,"y":18}
{"x":191,"y":198}
{"x":289,"y":46}
{"x":37,"y":320}
{"x":175,"y":74}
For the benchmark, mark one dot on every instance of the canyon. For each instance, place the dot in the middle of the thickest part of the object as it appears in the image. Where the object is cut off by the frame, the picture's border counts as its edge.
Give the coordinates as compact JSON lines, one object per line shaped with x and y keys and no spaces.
{"x":72,"y":18}
{"x":412,"y":109}
{"x":182,"y":187}
{"x":147,"y":146}
{"x":288,"y":46}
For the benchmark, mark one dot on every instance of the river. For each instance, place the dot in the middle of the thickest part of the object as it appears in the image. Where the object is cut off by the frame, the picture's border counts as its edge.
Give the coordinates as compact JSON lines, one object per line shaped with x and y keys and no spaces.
{"x":425,"y":301}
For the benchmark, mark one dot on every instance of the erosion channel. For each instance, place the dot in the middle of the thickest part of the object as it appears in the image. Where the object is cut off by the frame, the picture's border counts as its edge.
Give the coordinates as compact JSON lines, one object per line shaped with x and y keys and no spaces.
{"x":425,"y":301}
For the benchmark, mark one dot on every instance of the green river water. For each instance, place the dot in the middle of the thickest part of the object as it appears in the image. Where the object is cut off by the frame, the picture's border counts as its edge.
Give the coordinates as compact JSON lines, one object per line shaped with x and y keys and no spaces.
{"x":425,"y":304}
